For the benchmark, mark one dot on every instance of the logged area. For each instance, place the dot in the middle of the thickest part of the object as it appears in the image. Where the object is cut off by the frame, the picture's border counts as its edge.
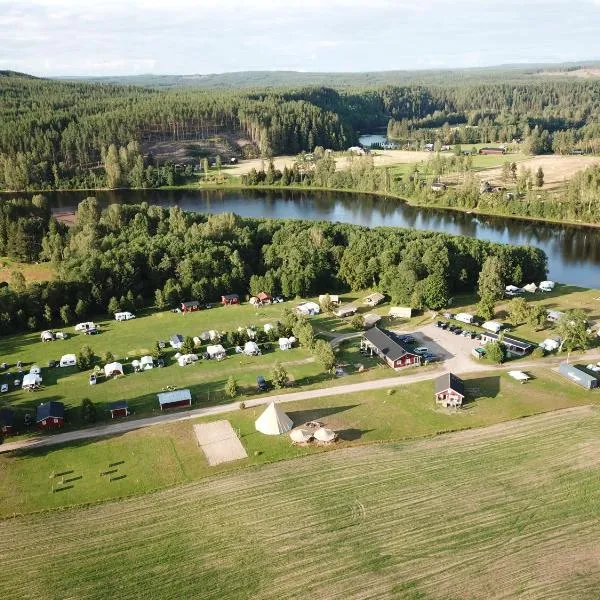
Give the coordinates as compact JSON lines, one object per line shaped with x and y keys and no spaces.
{"x":505,"y":512}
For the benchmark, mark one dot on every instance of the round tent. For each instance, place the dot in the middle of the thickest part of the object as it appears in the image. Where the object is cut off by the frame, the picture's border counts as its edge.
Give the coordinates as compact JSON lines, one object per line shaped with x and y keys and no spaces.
{"x":273,"y":421}
{"x":113,"y":369}
{"x":301,"y":436}
{"x":324,"y":435}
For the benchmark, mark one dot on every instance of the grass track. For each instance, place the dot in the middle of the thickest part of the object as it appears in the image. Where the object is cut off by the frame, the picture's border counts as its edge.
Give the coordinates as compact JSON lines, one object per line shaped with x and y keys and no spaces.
{"x":505,"y":512}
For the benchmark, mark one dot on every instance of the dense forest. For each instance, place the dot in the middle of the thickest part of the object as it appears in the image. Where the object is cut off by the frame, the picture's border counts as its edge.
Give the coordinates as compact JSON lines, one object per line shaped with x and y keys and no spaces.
{"x":82,"y":135}
{"x":128,"y":257}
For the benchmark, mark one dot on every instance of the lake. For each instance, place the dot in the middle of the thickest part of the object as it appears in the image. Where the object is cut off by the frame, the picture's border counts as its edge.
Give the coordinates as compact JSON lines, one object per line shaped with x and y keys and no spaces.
{"x":573,"y":252}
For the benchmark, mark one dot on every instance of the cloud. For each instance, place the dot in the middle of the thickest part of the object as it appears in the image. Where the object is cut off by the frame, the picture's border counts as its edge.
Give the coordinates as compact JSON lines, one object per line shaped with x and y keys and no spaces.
{"x":187,"y":36}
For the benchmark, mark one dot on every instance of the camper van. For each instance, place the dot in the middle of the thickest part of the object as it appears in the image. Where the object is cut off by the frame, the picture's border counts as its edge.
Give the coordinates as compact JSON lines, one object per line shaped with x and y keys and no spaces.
{"x":465,"y":318}
{"x":68,"y":360}
{"x":124,"y":316}
{"x":88,"y":326}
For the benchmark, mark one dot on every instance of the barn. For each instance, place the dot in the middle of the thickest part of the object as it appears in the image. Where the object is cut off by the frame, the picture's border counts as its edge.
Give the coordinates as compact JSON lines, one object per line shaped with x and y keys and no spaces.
{"x":50,"y":415}
{"x":382,"y":344}
{"x":119,"y":409}
{"x":190,"y":306}
{"x":7,"y":421}
{"x":174,"y":399}
{"x":449,"y":390}
{"x":228,"y":299}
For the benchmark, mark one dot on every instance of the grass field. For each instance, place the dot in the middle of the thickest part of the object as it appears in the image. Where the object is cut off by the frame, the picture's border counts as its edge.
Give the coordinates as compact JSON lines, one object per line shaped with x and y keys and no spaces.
{"x":166,"y":455}
{"x":31,"y":272}
{"x":505,"y":512}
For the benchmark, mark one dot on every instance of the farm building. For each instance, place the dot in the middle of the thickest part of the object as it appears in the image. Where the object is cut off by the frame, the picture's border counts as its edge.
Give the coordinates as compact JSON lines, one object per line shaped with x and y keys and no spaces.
{"x":119,"y":409}
{"x":371,"y":319}
{"x":512,"y":345}
{"x":333,"y":298}
{"x":492,"y":151}
{"x":492,"y":326}
{"x":547,"y":286}
{"x":273,"y":421}
{"x":374,"y":299}
{"x":400,"y":312}
{"x":186,"y":359}
{"x":554,"y":316}
{"x":50,"y":415}
{"x":345,"y":310}
{"x":228,"y":299}
{"x":379,"y":342}
{"x":308,"y":308}
{"x":174,"y":399}
{"x":251,"y":349}
{"x":31,"y":381}
{"x":68,"y":360}
{"x":113,"y":369}
{"x":7,"y":421}
{"x":579,"y":376}
{"x":465,"y":318}
{"x":176,"y":341}
{"x":216,"y":351}
{"x":47,"y":336}
{"x":449,"y":390}
{"x":190,"y":306}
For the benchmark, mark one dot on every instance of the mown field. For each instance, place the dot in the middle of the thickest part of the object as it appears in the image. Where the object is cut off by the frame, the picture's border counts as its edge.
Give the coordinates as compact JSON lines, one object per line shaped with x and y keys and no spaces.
{"x":510,"y":511}
{"x":31,"y":271}
{"x":166,"y":455}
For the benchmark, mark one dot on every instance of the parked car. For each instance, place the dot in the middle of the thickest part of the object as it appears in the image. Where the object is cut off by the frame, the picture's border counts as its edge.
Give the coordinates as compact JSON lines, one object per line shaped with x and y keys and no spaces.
{"x":457,"y":331}
{"x":261,"y":384}
{"x":444,"y":325}
{"x":406,"y":339}
{"x":4,"y":388}
{"x":429,"y":358}
{"x":91,"y":331}
{"x":439,"y":323}
{"x":421,"y":350}
{"x":452,"y":327}
{"x":466,"y":333}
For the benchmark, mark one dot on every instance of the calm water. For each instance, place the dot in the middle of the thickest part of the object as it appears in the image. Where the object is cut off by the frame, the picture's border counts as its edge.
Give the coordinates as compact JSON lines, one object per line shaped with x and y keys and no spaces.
{"x":573,"y":252}
{"x":366,"y":139}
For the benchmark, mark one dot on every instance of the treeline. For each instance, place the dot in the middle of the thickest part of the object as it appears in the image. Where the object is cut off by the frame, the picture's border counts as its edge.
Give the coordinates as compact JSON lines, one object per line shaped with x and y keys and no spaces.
{"x":57,"y":134}
{"x":134,"y":256}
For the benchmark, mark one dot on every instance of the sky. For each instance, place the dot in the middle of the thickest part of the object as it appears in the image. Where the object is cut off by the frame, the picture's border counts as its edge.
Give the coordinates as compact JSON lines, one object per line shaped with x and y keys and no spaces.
{"x":129,"y":37}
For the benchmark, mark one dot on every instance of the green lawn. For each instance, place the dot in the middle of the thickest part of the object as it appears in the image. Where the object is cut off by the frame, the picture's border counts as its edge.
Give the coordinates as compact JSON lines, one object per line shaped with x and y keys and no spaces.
{"x":511,"y":512}
{"x":167,"y":455}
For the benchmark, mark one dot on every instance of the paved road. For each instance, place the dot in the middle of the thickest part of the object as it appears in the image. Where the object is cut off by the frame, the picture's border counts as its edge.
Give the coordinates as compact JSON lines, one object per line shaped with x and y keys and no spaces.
{"x":124,"y":426}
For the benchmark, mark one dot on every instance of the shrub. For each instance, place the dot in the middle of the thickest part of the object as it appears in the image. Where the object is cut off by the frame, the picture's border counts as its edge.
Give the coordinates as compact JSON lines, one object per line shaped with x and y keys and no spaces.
{"x":538,"y":353}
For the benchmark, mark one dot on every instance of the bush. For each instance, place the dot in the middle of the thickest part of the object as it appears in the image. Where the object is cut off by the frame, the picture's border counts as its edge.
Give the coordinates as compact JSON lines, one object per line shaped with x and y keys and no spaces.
{"x":496,"y":352}
{"x":88,"y":411}
{"x":231,"y":387}
{"x":538,"y":353}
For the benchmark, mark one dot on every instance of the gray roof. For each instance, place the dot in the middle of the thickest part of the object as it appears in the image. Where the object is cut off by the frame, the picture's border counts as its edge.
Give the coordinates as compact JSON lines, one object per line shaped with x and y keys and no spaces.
{"x":385,"y":344}
{"x":508,"y":340}
{"x":449,"y":381}
{"x":50,"y":409}
{"x":176,"y":396}
{"x":578,"y":374}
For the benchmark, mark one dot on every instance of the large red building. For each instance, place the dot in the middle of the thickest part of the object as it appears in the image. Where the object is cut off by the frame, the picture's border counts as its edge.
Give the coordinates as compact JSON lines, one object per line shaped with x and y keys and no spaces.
{"x":386,"y":347}
{"x":50,"y":415}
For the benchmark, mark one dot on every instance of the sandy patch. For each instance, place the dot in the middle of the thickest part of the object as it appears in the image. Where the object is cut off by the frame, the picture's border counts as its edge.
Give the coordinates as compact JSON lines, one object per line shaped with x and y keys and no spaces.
{"x":219,"y":442}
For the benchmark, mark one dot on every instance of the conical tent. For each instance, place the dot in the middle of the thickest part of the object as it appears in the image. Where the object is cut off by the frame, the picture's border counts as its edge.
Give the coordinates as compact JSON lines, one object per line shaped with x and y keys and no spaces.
{"x":273,"y":421}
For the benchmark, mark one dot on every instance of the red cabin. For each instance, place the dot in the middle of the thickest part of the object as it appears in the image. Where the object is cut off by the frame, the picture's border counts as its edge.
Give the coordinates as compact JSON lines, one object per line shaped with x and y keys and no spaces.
{"x":175,"y":399}
{"x":383,"y":345}
{"x":50,"y":415}
{"x":190,"y":306}
{"x":119,"y":409}
{"x":230,"y":299}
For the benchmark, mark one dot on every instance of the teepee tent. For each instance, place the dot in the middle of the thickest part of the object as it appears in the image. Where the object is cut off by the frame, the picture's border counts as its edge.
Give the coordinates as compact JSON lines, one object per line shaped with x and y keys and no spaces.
{"x":273,"y":421}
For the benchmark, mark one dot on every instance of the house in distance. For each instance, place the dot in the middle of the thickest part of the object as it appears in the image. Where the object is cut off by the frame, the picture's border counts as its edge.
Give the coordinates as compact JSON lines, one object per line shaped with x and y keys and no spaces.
{"x":449,"y":390}
{"x":190,"y":306}
{"x":50,"y":415}
{"x":382,"y":344}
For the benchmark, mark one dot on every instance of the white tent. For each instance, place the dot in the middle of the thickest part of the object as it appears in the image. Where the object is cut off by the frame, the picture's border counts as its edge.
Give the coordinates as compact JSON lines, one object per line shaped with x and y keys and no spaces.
{"x":146,"y":363}
{"x":31,"y":380}
{"x":113,"y":368}
{"x":197,"y":341}
{"x":530,"y":287}
{"x":217,"y":351}
{"x":187,"y":359}
{"x":136,"y":365}
{"x":324,"y":435}
{"x":308,"y":308}
{"x":68,"y":360}
{"x":273,"y":421}
{"x":35,"y":370}
{"x":251,"y":349}
{"x":213,"y":335}
{"x":519,"y":376}
{"x":284,"y":343}
{"x":267,"y":327}
{"x":205,"y":336}
{"x":301,"y":436}
{"x":47,"y":336}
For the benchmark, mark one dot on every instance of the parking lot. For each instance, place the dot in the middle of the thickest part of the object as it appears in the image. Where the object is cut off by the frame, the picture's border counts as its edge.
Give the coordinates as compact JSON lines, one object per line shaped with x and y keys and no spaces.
{"x":453,"y":350}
